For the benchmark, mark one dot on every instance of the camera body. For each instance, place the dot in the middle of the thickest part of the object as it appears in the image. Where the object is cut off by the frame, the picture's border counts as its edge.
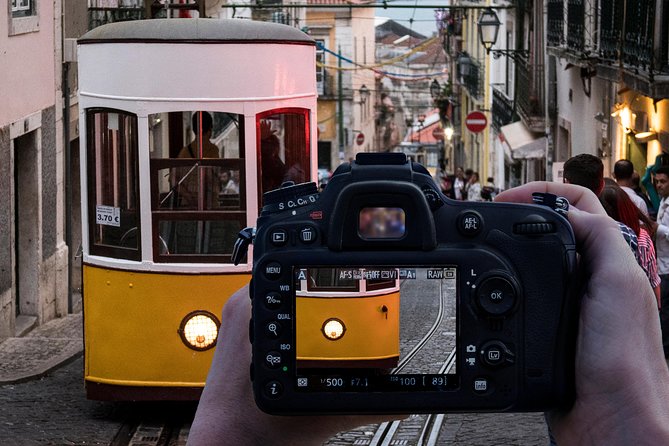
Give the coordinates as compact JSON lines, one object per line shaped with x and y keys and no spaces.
{"x":381,"y":295}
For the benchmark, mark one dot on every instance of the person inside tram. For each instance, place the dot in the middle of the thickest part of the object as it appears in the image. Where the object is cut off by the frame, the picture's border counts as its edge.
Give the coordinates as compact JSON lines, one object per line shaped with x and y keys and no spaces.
{"x":622,"y":380}
{"x":273,"y":167}
{"x":201,"y":145}
{"x":187,"y":180}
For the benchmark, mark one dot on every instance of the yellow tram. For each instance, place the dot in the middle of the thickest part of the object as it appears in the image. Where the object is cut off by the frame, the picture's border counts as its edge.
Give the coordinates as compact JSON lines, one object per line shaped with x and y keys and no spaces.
{"x":184,"y":123}
{"x":347,"y":318}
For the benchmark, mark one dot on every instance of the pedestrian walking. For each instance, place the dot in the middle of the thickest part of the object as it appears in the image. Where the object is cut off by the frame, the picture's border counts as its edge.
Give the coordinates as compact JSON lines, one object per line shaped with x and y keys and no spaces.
{"x":662,"y":247}
{"x":623,"y":170}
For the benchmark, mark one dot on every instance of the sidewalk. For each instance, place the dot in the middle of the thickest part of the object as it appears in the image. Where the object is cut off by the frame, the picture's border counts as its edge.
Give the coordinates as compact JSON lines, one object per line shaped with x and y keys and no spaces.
{"x":41,"y":350}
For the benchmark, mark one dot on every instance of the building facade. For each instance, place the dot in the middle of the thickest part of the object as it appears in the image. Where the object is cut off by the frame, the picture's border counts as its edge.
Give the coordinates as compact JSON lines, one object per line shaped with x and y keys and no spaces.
{"x":33,"y":253}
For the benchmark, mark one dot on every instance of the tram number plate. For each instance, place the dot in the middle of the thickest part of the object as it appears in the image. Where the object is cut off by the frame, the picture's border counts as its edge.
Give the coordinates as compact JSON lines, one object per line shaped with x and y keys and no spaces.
{"x":107,"y":215}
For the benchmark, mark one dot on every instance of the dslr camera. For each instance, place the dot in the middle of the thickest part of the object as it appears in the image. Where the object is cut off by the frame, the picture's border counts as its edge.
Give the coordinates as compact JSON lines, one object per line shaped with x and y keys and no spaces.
{"x":381,"y":295}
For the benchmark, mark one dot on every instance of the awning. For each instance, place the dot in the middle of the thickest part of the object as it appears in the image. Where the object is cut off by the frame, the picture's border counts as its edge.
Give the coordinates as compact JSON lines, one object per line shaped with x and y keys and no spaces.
{"x":523,"y":143}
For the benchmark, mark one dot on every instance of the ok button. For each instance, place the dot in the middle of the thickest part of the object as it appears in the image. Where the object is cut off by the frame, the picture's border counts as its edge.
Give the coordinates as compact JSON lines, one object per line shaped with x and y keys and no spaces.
{"x":496,"y":296}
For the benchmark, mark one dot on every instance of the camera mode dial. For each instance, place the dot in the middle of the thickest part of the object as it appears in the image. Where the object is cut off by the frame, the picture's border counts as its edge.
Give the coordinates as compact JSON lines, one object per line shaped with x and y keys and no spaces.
{"x":289,"y":196}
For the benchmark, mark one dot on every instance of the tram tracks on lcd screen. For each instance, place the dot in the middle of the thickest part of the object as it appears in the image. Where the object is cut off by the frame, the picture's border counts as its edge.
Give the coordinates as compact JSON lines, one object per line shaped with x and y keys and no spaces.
{"x":429,"y":424}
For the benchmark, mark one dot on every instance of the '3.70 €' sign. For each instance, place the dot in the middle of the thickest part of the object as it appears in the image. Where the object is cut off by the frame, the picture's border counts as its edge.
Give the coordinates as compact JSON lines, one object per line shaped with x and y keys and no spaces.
{"x":107,"y":215}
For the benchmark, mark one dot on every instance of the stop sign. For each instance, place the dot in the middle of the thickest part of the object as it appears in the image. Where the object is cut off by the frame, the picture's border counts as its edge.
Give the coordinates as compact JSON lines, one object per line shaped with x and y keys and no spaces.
{"x":438,"y":133}
{"x":476,"y":122}
{"x":360,"y":138}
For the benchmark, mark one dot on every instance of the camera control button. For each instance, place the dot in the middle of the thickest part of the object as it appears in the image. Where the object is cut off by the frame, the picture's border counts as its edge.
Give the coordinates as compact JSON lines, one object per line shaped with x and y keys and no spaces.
{"x":273,"y":300}
{"x":273,"y":270}
{"x":278,"y":237}
{"x":273,"y":389}
{"x":482,"y":385}
{"x":495,"y":354}
{"x":470,"y":223}
{"x":496,"y":296}
{"x":273,"y":329}
{"x":308,"y":234}
{"x":273,"y":359}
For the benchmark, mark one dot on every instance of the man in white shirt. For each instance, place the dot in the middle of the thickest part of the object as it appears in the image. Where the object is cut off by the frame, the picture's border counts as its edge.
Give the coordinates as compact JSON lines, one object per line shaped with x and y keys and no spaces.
{"x":662,"y":248}
{"x":623,"y":171}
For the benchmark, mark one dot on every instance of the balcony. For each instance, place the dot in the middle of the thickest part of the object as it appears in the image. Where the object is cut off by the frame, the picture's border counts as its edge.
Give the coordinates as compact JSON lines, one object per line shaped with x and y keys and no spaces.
{"x":502,"y":109}
{"x":471,"y":76}
{"x":638,"y":34}
{"x":530,"y":95}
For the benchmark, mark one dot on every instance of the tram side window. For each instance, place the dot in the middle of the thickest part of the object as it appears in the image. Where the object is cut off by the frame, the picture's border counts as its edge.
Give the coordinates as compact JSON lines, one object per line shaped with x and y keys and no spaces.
{"x":284,"y":147}
{"x":113,"y":184}
{"x":197,"y":185}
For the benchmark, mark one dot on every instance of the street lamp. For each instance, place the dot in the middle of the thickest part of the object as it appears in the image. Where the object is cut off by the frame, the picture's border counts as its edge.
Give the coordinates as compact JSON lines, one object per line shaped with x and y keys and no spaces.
{"x":435,"y":89}
{"x":488,"y":26}
{"x":448,"y":131}
{"x":464,"y":65}
{"x":364,"y":93}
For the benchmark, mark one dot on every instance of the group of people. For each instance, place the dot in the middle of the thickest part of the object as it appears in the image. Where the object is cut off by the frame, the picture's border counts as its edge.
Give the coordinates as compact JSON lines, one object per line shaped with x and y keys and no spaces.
{"x":464,"y":185}
{"x":645,"y":229}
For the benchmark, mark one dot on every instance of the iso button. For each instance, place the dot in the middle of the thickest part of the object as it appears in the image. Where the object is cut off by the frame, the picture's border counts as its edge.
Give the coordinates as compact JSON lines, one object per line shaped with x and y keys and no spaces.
{"x":272,"y":270}
{"x":496,"y":296}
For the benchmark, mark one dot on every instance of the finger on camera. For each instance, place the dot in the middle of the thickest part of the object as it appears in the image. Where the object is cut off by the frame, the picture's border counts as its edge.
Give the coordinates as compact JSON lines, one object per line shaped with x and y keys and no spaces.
{"x":578,"y":196}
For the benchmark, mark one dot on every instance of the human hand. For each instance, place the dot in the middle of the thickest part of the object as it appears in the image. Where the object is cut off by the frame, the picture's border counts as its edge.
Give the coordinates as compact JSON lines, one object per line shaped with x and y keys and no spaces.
{"x":622,"y":380}
{"x":227,"y":413}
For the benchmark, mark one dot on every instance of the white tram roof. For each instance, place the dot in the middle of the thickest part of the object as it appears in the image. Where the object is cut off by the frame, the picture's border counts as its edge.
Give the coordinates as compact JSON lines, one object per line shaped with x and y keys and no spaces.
{"x":196,"y":30}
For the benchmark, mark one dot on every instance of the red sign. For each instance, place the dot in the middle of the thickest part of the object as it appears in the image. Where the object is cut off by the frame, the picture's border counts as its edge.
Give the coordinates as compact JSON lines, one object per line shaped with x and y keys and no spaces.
{"x":476,"y":122}
{"x":360,"y":138}
{"x":438,"y":133}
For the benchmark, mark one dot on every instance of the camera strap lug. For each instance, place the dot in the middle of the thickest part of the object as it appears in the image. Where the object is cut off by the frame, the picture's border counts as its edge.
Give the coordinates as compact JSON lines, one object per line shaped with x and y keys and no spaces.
{"x":244,"y":239}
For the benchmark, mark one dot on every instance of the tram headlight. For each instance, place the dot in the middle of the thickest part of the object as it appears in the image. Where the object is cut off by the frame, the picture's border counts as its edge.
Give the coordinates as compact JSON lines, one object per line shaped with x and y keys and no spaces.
{"x":199,"y":330}
{"x":333,"y":329}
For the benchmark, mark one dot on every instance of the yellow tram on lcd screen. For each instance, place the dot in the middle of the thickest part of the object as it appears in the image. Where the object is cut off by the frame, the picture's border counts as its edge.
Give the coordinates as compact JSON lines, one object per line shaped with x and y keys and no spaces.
{"x":185,"y":123}
{"x":347,"y":318}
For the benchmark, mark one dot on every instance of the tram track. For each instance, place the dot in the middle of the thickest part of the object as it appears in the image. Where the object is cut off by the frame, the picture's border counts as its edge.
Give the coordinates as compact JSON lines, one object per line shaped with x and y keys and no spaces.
{"x":430,"y":424}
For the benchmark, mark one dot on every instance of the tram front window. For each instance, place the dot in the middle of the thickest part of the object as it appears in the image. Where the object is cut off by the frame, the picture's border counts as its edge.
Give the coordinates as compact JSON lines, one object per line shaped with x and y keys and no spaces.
{"x":197,"y":185}
{"x":112,"y":183}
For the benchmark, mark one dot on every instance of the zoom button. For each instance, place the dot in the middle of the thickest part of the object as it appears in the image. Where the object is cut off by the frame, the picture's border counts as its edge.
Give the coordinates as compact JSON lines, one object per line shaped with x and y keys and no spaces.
{"x":273,"y":359}
{"x":273,"y":330}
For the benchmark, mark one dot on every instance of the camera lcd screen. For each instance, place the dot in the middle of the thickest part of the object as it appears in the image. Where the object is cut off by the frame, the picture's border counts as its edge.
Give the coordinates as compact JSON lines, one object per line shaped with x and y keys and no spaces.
{"x":381,"y":223}
{"x":375,"y":328}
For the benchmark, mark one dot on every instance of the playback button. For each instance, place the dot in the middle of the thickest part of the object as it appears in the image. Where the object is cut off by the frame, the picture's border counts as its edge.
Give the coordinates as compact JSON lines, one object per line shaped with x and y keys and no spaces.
{"x":278,"y":237}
